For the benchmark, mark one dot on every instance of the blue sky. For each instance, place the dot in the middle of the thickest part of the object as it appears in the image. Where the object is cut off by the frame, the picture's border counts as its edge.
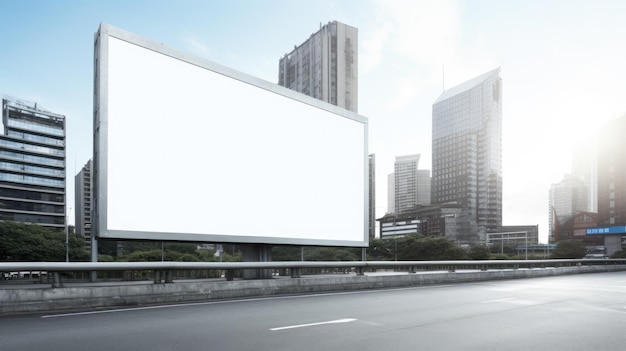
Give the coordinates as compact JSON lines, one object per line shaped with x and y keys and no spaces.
{"x":562,"y":67}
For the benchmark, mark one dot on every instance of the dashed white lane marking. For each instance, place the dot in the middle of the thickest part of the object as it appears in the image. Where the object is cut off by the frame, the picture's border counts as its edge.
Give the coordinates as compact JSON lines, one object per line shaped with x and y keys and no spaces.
{"x":337,"y":321}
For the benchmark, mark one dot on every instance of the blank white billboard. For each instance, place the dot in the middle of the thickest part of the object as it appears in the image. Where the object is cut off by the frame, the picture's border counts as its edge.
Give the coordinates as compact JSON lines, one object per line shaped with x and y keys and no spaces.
{"x":186,"y":149}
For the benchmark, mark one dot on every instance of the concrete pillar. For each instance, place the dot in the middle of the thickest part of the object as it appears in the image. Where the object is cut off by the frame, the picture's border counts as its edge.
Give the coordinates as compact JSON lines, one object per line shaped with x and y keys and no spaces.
{"x":56,"y":280}
{"x":295,"y":272}
{"x":93,"y":275}
{"x":157,"y":277}
{"x":257,"y":253}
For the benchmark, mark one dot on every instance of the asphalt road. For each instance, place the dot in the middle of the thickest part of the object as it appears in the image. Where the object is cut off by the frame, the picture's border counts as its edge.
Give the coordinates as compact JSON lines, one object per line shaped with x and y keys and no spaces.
{"x":580,"y":312}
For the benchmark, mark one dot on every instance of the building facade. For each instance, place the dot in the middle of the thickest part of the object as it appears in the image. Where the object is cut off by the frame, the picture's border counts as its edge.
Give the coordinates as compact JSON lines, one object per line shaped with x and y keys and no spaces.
{"x":585,"y":168}
{"x":405,"y":182}
{"x":434,"y":220}
{"x":467,"y":154}
{"x":423,"y":187}
{"x":391,"y":193}
{"x":372,"y":196}
{"x":612,"y":174}
{"x":32,"y":165}
{"x":567,"y":197}
{"x":325,"y":66}
{"x":82,"y":202}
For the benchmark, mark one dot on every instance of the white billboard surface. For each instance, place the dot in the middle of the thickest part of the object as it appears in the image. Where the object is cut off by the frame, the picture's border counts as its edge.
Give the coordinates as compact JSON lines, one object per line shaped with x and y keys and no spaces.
{"x":190,"y":150}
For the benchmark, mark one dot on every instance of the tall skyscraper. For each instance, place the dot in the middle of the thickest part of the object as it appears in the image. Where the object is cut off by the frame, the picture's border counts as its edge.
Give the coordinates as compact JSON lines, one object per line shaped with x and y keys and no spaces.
{"x":82,"y":201}
{"x":372,"y":196}
{"x":325,"y":66}
{"x":585,"y":167}
{"x":405,"y":182}
{"x":467,"y":154}
{"x":423,"y":187}
{"x":32,"y":165}
{"x":612,"y":174}
{"x":567,"y":197}
{"x":391,"y":193}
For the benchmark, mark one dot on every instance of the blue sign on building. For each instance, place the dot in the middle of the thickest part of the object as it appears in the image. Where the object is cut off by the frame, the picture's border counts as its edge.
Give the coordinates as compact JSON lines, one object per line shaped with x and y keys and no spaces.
{"x":607,"y":230}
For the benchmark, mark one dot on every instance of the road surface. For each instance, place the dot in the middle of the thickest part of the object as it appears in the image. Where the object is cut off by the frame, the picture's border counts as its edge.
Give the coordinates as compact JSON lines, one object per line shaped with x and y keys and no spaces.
{"x":576,"y":312}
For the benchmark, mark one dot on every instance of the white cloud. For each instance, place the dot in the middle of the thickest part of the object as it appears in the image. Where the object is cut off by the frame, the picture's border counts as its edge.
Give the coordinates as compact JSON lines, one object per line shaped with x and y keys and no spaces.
{"x":424,"y":31}
{"x":373,"y":46}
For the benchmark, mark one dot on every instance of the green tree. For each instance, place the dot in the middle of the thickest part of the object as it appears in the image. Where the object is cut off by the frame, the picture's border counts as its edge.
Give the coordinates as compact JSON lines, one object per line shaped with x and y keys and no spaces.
{"x":619,"y":254}
{"x":286,"y":253}
{"x":31,"y":242}
{"x":382,"y":249}
{"x":479,"y":252}
{"x":426,"y":248}
{"x":569,"y":249}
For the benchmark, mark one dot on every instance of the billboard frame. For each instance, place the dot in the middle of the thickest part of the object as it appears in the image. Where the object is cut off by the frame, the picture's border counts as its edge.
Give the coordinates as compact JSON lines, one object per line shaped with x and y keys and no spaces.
{"x":101,"y":134}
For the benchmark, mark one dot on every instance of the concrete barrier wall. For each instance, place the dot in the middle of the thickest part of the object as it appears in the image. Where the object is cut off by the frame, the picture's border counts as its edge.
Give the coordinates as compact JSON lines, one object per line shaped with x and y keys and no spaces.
{"x":54,"y":299}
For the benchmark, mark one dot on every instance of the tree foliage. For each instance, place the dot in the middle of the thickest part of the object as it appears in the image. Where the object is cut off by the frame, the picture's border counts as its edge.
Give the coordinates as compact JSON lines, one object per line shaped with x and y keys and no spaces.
{"x":31,"y":242}
{"x":415,"y":247}
{"x":569,"y":249}
{"x":479,"y":252}
{"x":315,"y":253}
{"x":619,"y":254}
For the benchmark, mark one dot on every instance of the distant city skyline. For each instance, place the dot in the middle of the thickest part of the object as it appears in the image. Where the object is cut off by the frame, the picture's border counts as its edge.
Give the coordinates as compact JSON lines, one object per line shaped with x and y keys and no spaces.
{"x":564,"y":80}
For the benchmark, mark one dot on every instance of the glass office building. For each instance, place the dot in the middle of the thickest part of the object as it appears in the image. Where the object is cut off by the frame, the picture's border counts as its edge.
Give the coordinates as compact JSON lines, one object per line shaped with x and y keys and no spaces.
{"x":467,"y":154}
{"x":32,"y":165}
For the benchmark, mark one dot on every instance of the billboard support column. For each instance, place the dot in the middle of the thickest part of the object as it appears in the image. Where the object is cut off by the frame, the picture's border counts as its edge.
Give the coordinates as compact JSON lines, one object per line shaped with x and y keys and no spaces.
{"x":257,"y":253}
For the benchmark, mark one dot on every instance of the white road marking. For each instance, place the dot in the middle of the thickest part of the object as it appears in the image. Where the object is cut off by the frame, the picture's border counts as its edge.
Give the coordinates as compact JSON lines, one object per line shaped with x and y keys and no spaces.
{"x":499,"y":300}
{"x":345,"y":320}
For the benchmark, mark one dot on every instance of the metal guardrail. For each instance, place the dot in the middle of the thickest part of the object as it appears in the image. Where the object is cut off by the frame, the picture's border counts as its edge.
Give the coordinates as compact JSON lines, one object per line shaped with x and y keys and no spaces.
{"x":163,"y":270}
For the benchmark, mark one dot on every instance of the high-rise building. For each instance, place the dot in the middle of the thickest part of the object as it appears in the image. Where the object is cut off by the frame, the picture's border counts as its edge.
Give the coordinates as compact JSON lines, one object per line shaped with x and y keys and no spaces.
{"x":585,"y":167}
{"x":325,"y":66}
{"x":612,"y":174}
{"x":372,"y":196}
{"x":32,"y":165}
{"x":567,"y":197}
{"x":405,"y":182}
{"x":391,"y":193}
{"x":82,"y":202}
{"x":467,"y":154}
{"x":423,"y":187}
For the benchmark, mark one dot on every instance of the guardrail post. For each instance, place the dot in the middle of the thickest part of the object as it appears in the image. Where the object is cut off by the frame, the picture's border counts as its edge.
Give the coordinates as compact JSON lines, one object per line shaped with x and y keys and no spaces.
{"x":295,"y":272}
{"x":56,"y":280}
{"x":360,"y":270}
{"x":168,"y":277}
{"x":451,"y":269}
{"x":157,"y":276}
{"x":229,"y":274}
{"x":412,"y":269}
